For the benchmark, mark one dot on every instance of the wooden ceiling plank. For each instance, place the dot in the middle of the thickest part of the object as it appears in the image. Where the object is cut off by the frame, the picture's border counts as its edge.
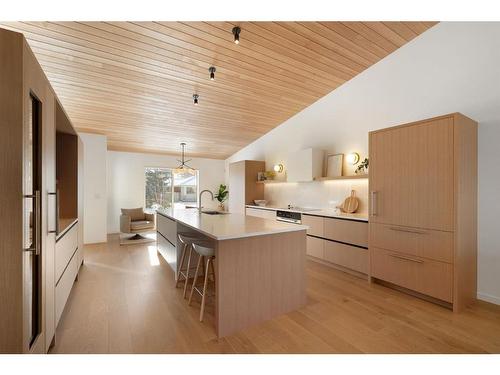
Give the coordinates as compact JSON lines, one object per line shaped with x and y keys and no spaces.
{"x":386,"y":33}
{"x":330,"y":40}
{"x":371,"y":35}
{"x":402,"y":30}
{"x":357,"y":39}
{"x":417,"y":27}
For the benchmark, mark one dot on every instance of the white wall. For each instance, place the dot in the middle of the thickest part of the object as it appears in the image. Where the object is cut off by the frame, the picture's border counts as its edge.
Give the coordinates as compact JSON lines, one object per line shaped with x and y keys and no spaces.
{"x":94,"y":196}
{"x":126,"y":180}
{"x":453,"y":67}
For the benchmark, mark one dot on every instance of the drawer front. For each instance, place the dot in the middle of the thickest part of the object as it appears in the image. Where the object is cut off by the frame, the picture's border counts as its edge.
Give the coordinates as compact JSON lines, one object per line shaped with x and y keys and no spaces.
{"x":347,"y":256}
{"x":423,"y":243}
{"x":65,"y":248}
{"x":315,"y":224}
{"x":264,"y":214}
{"x":167,"y":251}
{"x":353,"y":232}
{"x":63,"y":287}
{"x":315,"y":247}
{"x":167,"y":227}
{"x":422,"y":275}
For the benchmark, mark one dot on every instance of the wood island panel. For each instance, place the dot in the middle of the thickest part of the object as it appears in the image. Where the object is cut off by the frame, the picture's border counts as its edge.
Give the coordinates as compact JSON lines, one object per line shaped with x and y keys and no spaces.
{"x":258,"y":278}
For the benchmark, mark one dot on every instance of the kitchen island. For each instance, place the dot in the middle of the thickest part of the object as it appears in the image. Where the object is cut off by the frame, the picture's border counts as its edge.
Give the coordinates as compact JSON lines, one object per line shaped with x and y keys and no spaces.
{"x":259,"y":267}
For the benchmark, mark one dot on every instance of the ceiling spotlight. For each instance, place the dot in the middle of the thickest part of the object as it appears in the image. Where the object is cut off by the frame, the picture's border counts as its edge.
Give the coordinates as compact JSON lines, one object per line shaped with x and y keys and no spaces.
{"x":236,"y":33}
{"x":195,"y":99}
{"x":212,"y":73}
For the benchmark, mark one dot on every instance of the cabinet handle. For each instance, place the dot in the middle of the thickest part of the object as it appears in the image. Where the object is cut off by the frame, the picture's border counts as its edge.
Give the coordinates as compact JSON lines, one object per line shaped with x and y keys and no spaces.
{"x":407,"y":230}
{"x":36,"y":247}
{"x":55,"y":209}
{"x":373,"y":203}
{"x":405,"y":258}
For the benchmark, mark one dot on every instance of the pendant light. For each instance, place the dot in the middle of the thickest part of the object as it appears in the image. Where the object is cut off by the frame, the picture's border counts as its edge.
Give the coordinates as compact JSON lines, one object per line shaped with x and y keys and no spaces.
{"x":212,"y":73}
{"x":195,"y":99}
{"x":236,"y":33}
{"x":183,"y":169}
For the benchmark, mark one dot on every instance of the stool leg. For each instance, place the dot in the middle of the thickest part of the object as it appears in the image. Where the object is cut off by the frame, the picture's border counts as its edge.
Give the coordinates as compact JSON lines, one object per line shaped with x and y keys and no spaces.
{"x":203,"y":297}
{"x":179,"y":269}
{"x":195,"y":278}
{"x":213,"y":269}
{"x":187,"y":271}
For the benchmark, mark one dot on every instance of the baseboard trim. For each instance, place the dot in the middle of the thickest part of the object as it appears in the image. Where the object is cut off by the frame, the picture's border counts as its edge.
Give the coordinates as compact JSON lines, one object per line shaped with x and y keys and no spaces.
{"x":488,"y":298}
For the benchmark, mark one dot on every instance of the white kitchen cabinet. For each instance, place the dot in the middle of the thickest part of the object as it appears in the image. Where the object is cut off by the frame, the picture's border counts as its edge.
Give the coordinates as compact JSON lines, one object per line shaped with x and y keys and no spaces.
{"x":305,"y":165}
{"x":167,"y":228}
{"x":259,"y":212}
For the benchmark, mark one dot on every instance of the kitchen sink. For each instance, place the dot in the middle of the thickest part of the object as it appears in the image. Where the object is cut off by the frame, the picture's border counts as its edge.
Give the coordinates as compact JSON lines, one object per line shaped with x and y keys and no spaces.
{"x":214,"y":212}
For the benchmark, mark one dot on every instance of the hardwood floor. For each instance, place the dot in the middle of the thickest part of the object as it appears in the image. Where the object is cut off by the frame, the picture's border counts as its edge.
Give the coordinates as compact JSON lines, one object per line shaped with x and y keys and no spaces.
{"x":125,"y":302}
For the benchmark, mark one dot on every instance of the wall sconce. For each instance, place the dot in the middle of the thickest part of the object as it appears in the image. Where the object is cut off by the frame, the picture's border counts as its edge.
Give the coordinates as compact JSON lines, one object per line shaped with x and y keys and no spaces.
{"x":278,"y":168}
{"x":352,"y":158}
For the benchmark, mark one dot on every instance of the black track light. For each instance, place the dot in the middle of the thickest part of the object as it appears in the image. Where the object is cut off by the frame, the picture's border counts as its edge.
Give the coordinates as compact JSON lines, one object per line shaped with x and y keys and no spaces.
{"x":212,"y":73}
{"x":236,"y":33}
{"x":195,"y":99}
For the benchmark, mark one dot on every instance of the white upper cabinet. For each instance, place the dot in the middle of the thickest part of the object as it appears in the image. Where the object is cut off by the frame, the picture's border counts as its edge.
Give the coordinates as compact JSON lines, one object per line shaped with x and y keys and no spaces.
{"x":305,"y":165}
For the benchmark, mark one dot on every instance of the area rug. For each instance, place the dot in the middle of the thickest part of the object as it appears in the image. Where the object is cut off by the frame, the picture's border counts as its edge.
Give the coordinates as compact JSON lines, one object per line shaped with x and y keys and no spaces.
{"x":148,"y":237}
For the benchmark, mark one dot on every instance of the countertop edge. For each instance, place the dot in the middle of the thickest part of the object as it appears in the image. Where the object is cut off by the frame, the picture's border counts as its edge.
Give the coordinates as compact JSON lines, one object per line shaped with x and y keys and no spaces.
{"x":294,"y":228}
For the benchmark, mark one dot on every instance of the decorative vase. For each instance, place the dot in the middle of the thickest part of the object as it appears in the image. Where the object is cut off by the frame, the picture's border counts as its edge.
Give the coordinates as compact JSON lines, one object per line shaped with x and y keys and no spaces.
{"x":221,"y":206}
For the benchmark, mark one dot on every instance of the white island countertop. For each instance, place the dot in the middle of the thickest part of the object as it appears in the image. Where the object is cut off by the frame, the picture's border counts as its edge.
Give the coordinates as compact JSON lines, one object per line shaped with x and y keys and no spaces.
{"x":229,"y":225}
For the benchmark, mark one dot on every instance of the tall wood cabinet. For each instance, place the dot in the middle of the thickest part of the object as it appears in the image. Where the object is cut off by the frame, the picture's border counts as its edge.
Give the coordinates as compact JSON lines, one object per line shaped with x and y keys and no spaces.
{"x":28,"y":217}
{"x":423,"y":207}
{"x":243,"y":187}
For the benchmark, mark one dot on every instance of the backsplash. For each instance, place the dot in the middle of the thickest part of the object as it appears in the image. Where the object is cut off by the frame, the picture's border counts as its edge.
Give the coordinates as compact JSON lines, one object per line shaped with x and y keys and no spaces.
{"x":318,"y":194}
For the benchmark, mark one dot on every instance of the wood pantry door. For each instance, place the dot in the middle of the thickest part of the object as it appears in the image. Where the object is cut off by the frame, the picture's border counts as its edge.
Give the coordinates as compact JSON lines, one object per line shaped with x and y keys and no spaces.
{"x":411,"y":175}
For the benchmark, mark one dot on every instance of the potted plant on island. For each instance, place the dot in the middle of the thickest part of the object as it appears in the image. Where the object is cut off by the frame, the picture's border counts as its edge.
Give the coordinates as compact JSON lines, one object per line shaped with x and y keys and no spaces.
{"x":222,"y":196}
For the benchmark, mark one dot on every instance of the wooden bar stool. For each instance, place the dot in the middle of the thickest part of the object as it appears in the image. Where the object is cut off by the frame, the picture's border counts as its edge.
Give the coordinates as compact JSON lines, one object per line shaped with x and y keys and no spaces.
{"x":186,"y":240}
{"x":207,"y":253}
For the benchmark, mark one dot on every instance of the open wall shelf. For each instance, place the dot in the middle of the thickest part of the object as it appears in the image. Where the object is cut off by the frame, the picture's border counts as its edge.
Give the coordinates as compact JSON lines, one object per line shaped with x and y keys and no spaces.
{"x":354,"y":177}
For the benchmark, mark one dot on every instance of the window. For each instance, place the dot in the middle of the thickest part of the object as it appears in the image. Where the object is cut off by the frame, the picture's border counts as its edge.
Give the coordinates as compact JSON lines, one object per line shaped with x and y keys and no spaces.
{"x":158,"y":188}
{"x":164,"y":188}
{"x":185,"y":189}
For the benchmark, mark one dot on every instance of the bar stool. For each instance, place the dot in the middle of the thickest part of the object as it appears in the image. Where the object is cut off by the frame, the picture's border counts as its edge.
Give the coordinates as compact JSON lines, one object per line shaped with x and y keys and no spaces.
{"x":207,"y":253}
{"x":186,"y":239}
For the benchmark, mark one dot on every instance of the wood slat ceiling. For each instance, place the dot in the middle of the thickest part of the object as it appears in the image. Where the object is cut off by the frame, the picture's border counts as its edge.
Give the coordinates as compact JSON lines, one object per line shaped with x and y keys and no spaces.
{"x":134,"y":81}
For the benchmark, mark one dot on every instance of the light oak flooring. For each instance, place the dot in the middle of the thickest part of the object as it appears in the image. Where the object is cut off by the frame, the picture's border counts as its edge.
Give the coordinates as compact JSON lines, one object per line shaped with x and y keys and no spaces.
{"x":125,"y":302}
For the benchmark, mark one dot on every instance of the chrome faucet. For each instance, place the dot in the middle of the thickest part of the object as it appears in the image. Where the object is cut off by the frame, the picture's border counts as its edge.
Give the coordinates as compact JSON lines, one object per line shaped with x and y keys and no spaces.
{"x":199,"y":198}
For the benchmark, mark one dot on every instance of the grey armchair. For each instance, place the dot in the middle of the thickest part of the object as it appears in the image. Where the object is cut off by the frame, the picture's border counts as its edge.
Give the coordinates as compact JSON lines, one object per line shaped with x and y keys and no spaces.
{"x":135,"y":221}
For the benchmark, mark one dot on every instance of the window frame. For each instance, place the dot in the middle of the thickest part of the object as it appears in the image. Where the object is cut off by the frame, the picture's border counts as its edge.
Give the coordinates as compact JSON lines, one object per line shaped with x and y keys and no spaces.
{"x":172,"y":200}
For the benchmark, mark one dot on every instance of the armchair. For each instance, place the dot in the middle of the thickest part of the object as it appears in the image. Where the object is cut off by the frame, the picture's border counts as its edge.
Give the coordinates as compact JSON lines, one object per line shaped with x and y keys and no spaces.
{"x":135,"y":221}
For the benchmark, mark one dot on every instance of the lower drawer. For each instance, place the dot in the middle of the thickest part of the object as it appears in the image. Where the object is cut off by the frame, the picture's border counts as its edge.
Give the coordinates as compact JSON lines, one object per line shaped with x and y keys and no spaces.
{"x":315,"y":247}
{"x":63,"y":287}
{"x":65,"y":248}
{"x":347,"y":256}
{"x":421,"y":275}
{"x":167,"y":251}
{"x":432,"y":244}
